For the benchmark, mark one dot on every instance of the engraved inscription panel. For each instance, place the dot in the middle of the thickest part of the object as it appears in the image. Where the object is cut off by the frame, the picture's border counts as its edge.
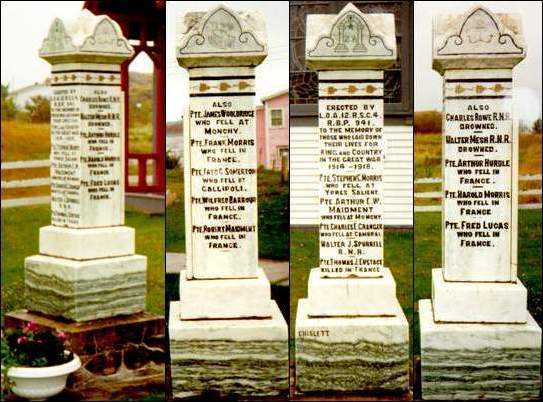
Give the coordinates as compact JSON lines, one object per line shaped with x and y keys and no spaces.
{"x":86,"y":156}
{"x":477,"y":186}
{"x":351,"y":173}
{"x":223,"y":202}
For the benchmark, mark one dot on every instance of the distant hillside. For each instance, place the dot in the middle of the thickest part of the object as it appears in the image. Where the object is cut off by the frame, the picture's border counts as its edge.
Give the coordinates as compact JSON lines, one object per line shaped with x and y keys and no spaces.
{"x":174,"y":127}
{"x":141,"y":98}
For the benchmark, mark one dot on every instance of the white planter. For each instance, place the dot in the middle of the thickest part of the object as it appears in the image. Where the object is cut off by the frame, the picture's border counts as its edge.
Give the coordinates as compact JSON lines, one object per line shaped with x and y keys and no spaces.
{"x":40,"y":383}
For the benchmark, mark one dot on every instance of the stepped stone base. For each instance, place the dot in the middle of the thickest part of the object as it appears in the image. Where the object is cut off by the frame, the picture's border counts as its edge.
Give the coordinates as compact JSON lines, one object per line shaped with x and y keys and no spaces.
{"x":478,"y":302}
{"x":122,"y":357}
{"x":85,"y":290}
{"x":351,"y":296}
{"x":242,"y":357}
{"x":478,"y":361}
{"x":352,"y":354}
{"x":228,"y":298}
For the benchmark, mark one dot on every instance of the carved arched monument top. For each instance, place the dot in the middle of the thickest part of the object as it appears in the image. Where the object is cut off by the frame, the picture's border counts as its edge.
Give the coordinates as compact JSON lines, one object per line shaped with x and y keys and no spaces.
{"x":350,"y":36}
{"x":480,"y":33}
{"x":220,"y":32}
{"x":350,"y":40}
{"x":92,"y":38}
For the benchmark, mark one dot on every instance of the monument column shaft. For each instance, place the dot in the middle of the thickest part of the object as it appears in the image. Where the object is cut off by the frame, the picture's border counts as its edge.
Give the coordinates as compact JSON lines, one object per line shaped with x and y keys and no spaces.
{"x":221,"y":174}
{"x":86,"y":146}
{"x":479,"y":175}
{"x":351,"y":173}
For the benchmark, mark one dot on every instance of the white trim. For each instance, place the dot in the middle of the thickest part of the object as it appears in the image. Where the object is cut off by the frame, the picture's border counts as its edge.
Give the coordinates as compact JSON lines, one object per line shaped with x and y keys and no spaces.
{"x":274,"y":95}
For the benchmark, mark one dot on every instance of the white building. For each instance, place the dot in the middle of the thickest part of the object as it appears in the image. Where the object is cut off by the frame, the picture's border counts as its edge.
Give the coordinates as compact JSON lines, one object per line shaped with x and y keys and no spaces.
{"x":22,"y":95}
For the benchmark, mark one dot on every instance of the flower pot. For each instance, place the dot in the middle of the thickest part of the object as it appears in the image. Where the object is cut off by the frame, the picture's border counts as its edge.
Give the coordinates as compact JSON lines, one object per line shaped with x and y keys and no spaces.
{"x":40,"y":383}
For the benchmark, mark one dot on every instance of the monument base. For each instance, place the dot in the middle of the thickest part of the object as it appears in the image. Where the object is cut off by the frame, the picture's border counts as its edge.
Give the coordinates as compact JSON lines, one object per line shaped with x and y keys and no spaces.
{"x":122,"y":357}
{"x":351,"y":296}
{"x":243,"y":357}
{"x":352,"y":353}
{"x":87,"y":244}
{"x":478,"y":302}
{"x":85,"y":290}
{"x":228,"y":298}
{"x":478,"y":361}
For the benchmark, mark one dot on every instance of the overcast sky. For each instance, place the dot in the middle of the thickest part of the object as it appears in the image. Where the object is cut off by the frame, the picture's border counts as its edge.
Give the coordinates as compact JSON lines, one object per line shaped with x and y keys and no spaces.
{"x":527,"y":74}
{"x":24,"y":26}
{"x":271,"y":75}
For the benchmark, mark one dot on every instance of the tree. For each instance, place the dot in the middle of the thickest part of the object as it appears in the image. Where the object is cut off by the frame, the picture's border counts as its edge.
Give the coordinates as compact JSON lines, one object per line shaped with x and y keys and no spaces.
{"x":536,"y":127}
{"x":9,"y":109}
{"x":38,"y":109}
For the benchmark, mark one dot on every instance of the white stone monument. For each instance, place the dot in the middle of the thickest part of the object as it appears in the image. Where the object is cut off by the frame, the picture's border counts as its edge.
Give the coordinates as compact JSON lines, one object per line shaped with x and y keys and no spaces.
{"x":477,"y":338}
{"x":226,"y":333}
{"x":351,"y":332}
{"x":86,"y":268}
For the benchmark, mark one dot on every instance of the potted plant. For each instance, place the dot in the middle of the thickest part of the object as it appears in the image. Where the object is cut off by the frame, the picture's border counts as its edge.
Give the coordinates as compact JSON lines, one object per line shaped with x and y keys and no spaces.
{"x":35,"y":362}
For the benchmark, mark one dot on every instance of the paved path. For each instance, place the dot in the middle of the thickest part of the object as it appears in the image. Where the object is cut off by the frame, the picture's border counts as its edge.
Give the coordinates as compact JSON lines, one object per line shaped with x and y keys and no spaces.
{"x":276,"y":271}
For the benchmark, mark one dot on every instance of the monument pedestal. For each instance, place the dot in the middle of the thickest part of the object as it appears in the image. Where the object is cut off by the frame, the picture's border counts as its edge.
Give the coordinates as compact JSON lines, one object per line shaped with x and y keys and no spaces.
{"x":351,"y":297}
{"x":478,"y":302}
{"x":85,"y":290}
{"x":227,"y":298}
{"x":476,"y":361}
{"x":352,"y":353}
{"x":244,"y":357}
{"x":120,"y":356}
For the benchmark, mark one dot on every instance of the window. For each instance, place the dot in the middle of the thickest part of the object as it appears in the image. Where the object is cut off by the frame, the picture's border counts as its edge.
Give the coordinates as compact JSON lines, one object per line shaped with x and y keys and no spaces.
{"x":276,"y":118}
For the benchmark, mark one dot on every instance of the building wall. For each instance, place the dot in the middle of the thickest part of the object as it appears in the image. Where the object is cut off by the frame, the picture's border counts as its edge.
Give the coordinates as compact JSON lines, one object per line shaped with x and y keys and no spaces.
{"x":260,"y":137}
{"x":398,"y":176}
{"x":276,"y":137}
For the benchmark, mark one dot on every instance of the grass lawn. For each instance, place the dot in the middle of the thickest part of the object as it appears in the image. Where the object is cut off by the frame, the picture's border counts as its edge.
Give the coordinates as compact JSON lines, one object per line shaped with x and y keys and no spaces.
{"x":273,"y":215}
{"x":25,"y":141}
{"x":20,"y":239}
{"x":304,"y":255}
{"x":428,"y":256}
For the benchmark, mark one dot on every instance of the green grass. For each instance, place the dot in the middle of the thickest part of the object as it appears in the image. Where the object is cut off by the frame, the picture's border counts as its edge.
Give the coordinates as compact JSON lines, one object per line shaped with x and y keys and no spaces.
{"x":428,"y":256}
{"x":273,"y":215}
{"x":305,"y":255}
{"x":20,"y":239}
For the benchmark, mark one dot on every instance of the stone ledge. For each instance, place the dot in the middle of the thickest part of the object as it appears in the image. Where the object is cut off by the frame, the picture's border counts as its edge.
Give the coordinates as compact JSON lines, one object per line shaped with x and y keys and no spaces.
{"x":478,"y":302}
{"x":475,"y":361}
{"x":87,"y":244}
{"x":351,"y":296}
{"x":244,"y":357}
{"x":85,"y":290}
{"x":225,"y":298}
{"x":352,"y":354}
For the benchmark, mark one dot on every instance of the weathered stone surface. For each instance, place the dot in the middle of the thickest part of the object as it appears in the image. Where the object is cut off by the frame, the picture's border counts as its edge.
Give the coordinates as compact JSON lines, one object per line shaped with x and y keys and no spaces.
{"x":86,"y":244}
{"x":233,"y":298}
{"x":245,"y":357}
{"x":479,"y":361}
{"x":85,"y":290}
{"x":478,"y":302}
{"x":351,"y":297}
{"x":350,"y":40}
{"x":351,"y":354}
